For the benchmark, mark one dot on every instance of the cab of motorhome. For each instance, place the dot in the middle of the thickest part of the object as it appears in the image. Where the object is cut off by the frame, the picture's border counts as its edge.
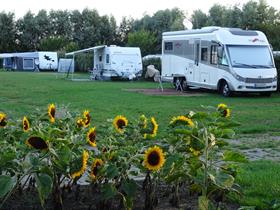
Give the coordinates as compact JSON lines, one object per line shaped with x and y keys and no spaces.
{"x":224,"y":59}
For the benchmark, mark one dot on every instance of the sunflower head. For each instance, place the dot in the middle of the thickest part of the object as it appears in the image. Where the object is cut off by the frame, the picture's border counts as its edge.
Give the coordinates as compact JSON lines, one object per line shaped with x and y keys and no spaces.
{"x":3,"y":120}
{"x":37,"y":142}
{"x":154,"y":158}
{"x":51,"y":112}
{"x":83,"y":168}
{"x":91,"y":137}
{"x":221,"y":106}
{"x":25,"y":124}
{"x":155,"y":127}
{"x":225,"y":113}
{"x":120,"y":122}
{"x":183,"y":120}
{"x":86,"y":118}
{"x":97,"y":163}
{"x":79,"y":122}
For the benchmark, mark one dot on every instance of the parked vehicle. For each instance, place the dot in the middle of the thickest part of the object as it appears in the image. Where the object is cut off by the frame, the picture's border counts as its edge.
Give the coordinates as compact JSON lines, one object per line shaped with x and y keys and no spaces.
{"x":224,"y":59}
{"x":114,"y":62}
{"x":30,"y":61}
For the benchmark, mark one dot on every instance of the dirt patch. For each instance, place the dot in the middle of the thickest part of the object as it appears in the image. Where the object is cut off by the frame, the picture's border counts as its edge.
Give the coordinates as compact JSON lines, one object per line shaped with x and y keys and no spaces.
{"x":258,"y":146}
{"x":166,"y":92}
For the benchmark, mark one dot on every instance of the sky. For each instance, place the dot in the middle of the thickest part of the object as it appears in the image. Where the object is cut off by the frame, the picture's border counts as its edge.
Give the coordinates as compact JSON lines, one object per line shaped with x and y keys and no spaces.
{"x":118,"y":8}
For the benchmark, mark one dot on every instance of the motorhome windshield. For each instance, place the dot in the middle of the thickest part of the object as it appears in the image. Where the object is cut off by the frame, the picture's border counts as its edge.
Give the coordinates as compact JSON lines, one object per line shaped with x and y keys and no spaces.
{"x":250,"y":56}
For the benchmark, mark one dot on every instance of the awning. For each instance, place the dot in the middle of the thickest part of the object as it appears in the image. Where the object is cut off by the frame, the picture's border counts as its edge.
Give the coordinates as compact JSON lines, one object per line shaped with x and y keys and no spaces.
{"x":6,"y":55}
{"x":85,"y":50}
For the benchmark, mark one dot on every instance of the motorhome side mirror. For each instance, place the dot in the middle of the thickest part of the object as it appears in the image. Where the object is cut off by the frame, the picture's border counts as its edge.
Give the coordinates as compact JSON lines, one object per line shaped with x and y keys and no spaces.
{"x":220,"y":51}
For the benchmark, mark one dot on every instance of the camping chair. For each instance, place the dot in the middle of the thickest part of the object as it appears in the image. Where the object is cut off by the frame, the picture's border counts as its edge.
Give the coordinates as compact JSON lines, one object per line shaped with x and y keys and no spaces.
{"x":157,"y":78}
{"x":178,"y":85}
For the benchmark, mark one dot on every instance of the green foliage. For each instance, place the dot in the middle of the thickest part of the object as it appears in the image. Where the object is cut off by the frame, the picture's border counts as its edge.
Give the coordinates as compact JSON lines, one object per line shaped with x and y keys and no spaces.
{"x":145,"y":40}
{"x":6,"y":185}
{"x":52,"y":44}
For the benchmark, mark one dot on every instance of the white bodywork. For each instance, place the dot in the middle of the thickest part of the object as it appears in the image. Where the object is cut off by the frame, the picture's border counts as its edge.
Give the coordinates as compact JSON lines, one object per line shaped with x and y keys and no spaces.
{"x":210,"y":56}
{"x":48,"y":60}
{"x":119,"y":62}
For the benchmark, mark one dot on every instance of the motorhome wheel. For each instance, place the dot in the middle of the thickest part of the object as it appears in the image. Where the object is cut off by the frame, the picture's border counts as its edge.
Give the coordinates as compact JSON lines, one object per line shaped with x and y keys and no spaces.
{"x":225,"y":90}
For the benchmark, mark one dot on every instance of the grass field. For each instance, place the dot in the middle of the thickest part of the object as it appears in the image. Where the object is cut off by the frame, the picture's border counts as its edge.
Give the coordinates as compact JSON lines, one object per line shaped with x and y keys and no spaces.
{"x":21,"y":93}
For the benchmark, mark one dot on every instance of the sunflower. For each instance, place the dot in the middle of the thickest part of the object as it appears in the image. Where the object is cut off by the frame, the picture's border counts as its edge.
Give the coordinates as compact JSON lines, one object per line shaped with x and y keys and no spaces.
{"x":91,"y":137}
{"x":155,"y":127}
{"x":221,"y":106}
{"x":225,"y":113}
{"x":94,"y":168}
{"x":86,"y":118}
{"x":181,"y":119}
{"x":3,"y":120}
{"x":79,"y":122}
{"x":84,"y":166}
{"x":120,"y":122}
{"x":25,"y":124}
{"x":154,"y":158}
{"x":37,"y":143}
{"x":143,"y":121}
{"x":51,"y":112}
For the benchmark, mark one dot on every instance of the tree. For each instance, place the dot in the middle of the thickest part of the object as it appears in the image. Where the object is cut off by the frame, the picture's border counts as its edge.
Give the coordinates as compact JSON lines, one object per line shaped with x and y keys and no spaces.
{"x":217,"y":15}
{"x":146,"y":40}
{"x":61,"y":24}
{"x":123,"y":31}
{"x":199,"y":19}
{"x":27,"y":32}
{"x":52,"y":44}
{"x":7,"y":32}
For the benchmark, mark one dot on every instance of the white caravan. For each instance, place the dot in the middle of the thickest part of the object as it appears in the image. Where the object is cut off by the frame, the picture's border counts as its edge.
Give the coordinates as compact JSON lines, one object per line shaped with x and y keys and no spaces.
{"x":224,"y":59}
{"x":118,"y":62}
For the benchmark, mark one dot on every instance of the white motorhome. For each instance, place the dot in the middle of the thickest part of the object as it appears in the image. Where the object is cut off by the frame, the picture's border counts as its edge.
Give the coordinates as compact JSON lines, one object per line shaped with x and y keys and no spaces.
{"x":30,"y":61}
{"x":224,"y":59}
{"x":118,"y":62}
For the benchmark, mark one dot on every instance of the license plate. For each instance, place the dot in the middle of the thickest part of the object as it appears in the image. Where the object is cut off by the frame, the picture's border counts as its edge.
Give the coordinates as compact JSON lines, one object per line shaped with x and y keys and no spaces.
{"x":260,"y":85}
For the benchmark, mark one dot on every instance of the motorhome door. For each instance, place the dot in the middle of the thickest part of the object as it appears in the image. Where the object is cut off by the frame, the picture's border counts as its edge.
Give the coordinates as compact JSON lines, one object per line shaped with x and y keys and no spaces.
{"x":196,"y":66}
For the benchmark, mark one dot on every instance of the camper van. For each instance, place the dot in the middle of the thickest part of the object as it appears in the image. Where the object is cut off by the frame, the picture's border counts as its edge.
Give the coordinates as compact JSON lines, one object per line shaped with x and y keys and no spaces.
{"x":118,"y":62}
{"x":224,"y":59}
{"x":30,"y":61}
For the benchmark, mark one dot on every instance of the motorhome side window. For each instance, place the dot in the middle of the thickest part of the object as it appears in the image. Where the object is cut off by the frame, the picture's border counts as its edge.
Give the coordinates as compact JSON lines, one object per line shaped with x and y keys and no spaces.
{"x":100,"y":58}
{"x":204,"y":54}
{"x":214,"y":54}
{"x":168,"y":46}
{"x":107,"y":58}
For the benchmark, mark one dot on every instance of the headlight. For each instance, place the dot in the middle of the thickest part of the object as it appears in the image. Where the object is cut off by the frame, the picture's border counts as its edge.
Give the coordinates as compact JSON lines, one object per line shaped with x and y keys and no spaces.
{"x":274,"y":78}
{"x":238,"y":77}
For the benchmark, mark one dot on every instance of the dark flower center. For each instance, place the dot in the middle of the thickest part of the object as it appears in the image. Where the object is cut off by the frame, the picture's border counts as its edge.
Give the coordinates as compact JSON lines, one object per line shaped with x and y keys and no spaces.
{"x":52,"y":112}
{"x":37,"y":142}
{"x":95,"y":169}
{"x":153,"y":158}
{"x":3,"y":122}
{"x":224,"y":113}
{"x":25,"y":125}
{"x":121,"y":124}
{"x":92,"y":136}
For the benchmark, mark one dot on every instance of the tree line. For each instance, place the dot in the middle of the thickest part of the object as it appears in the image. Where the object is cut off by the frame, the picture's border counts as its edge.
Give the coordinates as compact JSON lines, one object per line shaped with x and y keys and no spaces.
{"x":65,"y":31}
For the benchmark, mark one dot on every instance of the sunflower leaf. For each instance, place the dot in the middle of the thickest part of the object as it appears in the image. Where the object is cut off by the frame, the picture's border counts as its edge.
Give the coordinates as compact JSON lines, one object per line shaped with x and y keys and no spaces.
{"x":129,"y":187}
{"x":44,"y":186}
{"x":6,"y":185}
{"x":108,"y":191}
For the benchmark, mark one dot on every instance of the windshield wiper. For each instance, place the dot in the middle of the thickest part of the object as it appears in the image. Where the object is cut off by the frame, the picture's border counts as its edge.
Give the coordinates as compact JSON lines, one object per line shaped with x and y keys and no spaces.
{"x":264,"y":66}
{"x":244,"y":64}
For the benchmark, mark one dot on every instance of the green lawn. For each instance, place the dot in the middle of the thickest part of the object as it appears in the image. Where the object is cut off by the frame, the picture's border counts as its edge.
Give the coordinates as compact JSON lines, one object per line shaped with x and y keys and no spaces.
{"x":22,"y":92}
